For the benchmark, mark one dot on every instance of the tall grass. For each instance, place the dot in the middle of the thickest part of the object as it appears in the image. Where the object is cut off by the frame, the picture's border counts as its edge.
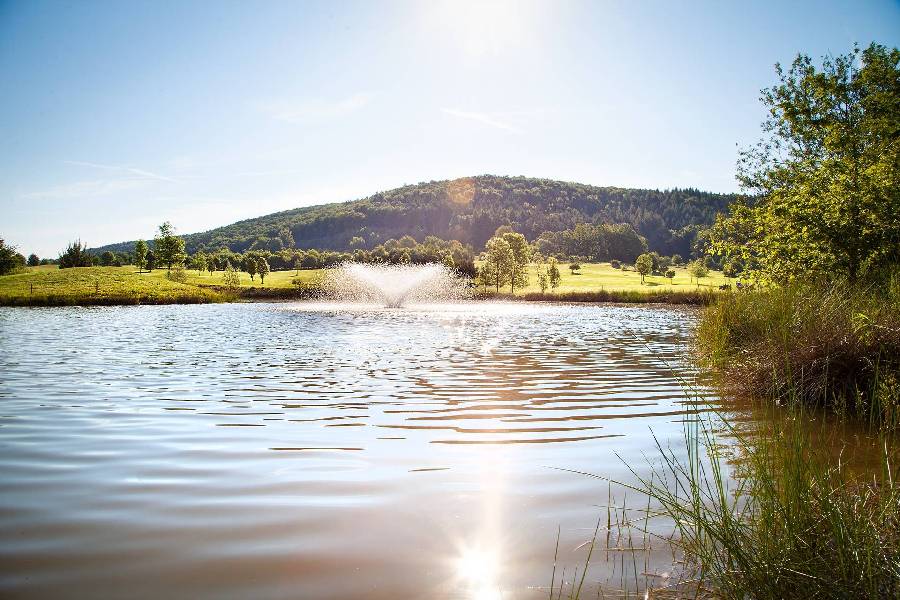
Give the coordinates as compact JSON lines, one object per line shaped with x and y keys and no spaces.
{"x":836,"y":346}
{"x":770,"y":513}
{"x":702,"y":297}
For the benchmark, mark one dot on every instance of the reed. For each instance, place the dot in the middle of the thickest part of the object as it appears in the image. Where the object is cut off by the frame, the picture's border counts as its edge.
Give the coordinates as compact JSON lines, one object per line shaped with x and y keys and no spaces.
{"x":834,"y":346}
{"x":770,"y":513}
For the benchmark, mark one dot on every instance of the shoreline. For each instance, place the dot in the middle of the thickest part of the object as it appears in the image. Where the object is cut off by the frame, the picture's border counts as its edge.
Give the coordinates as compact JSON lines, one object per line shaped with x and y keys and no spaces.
{"x":216,"y":295}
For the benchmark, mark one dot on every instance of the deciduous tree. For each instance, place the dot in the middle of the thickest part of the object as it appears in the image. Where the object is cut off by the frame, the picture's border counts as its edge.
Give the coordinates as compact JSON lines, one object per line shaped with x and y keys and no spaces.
{"x":169,"y":248}
{"x":140,"y":254}
{"x":644,"y":265}
{"x":825,"y":178}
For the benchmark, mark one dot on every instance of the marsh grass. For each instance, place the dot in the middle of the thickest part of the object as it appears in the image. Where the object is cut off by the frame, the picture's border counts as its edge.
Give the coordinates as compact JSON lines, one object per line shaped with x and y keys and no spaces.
{"x":833,"y":346}
{"x":773,"y":513}
{"x":699,"y":296}
{"x":773,"y":508}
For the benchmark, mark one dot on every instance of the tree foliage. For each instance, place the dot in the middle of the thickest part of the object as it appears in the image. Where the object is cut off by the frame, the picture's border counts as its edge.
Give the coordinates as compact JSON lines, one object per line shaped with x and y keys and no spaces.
{"x":824,"y":178}
{"x":169,"y":248}
{"x":10,"y":259}
{"x":140,"y":254}
{"x":553,"y":273}
{"x":470,"y":210}
{"x":644,"y":265}
{"x":230,"y":278}
{"x":76,"y":255}
{"x":498,"y":263}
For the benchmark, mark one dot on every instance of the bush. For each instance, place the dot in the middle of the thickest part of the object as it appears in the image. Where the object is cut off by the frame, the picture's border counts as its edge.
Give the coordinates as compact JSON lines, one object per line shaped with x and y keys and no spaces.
{"x":230,"y":279}
{"x":615,"y":264}
{"x":177,"y":274}
{"x":76,"y":255}
{"x":10,"y":260}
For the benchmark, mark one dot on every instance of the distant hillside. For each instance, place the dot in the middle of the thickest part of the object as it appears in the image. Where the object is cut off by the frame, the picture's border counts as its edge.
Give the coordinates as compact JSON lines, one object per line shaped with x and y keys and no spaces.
{"x":470,"y":210}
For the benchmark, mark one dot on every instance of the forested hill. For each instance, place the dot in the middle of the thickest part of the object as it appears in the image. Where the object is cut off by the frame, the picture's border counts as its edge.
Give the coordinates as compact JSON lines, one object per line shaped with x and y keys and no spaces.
{"x":469,"y":210}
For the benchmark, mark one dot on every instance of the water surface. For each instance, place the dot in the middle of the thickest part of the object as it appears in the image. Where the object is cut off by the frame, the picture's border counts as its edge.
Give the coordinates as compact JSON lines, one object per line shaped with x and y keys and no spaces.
{"x":317,"y":451}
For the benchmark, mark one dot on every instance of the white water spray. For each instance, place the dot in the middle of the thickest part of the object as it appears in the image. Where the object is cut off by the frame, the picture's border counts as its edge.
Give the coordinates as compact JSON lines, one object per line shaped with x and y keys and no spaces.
{"x":394,"y":286}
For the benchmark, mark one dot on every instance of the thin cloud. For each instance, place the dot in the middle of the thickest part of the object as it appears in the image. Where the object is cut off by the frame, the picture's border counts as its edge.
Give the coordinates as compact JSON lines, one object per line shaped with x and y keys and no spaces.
{"x":312,"y":111}
{"x":141,"y":173}
{"x":82,"y":189}
{"x":483,"y":118}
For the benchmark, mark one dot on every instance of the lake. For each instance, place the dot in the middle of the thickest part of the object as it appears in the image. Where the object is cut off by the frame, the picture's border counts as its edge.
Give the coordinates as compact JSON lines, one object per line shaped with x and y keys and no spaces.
{"x":326,"y":451}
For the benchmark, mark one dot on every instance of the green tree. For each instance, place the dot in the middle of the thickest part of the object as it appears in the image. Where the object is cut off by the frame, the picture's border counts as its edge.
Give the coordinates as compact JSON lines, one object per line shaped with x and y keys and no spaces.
{"x":448,"y":261}
{"x":10,"y":259}
{"x":553,"y":273}
{"x":644,"y":265}
{"x":169,"y":247}
{"x":286,"y":237}
{"x":33,"y":260}
{"x":543,"y":279}
{"x":498,"y":261}
{"x":199,"y":261}
{"x":151,"y":260}
{"x":140,"y":255}
{"x":177,"y":273}
{"x":521,"y":256}
{"x":76,"y":255}
{"x":262,"y":267}
{"x":230,"y":278}
{"x":250,"y":266}
{"x":730,"y":269}
{"x":698,"y":270}
{"x":574,"y":267}
{"x":107,"y":259}
{"x":825,"y":176}
{"x":670,"y":274}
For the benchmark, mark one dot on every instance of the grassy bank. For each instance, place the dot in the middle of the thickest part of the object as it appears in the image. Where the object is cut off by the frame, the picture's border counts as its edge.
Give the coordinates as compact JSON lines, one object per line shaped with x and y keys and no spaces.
{"x":835,"y":346}
{"x":50,"y":286}
{"x":700,"y":297}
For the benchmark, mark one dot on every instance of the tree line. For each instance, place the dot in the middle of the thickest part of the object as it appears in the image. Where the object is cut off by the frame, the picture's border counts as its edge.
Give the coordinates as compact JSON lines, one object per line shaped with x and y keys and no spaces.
{"x":470,"y":210}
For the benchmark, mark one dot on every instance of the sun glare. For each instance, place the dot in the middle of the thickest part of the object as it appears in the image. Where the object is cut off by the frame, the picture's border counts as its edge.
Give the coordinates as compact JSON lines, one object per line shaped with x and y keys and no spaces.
{"x":481,"y":29}
{"x":477,"y":569}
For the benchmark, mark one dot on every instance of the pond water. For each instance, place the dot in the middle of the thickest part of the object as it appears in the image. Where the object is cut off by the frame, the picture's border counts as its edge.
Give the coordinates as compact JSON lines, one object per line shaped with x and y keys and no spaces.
{"x":323,"y":451}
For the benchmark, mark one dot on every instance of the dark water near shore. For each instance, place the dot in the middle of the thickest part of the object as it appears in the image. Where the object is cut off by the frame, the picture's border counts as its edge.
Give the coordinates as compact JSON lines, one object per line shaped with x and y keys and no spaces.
{"x":312,"y":451}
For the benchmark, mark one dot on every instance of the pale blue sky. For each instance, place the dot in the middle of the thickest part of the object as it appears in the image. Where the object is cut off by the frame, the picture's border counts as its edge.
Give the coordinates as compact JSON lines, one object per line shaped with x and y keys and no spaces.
{"x":115,"y":116}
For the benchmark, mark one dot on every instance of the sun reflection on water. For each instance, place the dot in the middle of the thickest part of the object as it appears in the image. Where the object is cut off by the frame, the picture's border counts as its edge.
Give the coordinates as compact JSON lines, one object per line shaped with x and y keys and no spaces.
{"x":478,"y":570}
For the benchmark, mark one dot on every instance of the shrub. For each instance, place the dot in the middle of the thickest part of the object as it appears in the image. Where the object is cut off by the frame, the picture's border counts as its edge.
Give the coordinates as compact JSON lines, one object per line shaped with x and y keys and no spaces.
{"x":230,"y":279}
{"x":615,"y":264}
{"x":177,"y":274}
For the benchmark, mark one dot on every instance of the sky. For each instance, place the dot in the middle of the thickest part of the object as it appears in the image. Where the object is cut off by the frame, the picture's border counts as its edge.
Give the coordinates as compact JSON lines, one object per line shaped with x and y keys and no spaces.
{"x":116,"y":116}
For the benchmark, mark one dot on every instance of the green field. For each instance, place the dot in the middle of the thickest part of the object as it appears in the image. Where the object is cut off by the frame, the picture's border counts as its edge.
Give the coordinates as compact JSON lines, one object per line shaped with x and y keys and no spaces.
{"x":596,"y":276}
{"x":48,"y":285}
{"x":275,"y":279}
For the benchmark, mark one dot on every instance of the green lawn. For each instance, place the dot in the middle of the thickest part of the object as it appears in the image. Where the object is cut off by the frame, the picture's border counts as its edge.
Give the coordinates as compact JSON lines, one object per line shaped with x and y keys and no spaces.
{"x":594,"y":276}
{"x":275,"y":279}
{"x":124,"y":285}
{"x":96,"y":285}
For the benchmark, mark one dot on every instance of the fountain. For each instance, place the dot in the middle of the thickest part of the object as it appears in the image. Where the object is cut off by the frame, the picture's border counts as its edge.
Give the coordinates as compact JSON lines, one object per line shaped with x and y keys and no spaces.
{"x":394,"y":286}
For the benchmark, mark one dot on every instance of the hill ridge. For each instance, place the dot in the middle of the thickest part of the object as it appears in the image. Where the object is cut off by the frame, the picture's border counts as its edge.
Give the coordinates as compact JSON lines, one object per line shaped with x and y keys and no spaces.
{"x":469,"y":209}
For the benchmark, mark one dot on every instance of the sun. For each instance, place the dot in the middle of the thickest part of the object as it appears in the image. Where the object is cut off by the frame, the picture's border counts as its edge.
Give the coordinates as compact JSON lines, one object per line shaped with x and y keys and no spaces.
{"x":480,"y":29}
